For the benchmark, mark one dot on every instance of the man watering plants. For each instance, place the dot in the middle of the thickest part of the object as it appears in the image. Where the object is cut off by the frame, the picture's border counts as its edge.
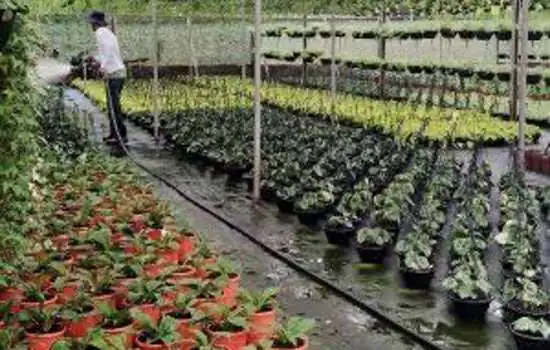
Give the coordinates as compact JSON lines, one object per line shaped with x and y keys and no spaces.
{"x":113,"y":70}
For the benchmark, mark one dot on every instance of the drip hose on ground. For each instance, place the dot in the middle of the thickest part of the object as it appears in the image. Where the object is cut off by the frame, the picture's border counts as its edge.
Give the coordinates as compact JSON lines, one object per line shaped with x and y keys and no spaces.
{"x":350,"y":298}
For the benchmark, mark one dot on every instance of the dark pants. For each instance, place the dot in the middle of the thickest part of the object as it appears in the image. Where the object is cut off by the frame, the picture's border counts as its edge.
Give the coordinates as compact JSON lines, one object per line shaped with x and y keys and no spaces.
{"x":114,"y":89}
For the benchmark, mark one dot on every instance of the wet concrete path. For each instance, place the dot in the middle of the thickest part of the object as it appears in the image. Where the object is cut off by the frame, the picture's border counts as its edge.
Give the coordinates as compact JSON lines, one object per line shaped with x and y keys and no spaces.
{"x":341,"y":326}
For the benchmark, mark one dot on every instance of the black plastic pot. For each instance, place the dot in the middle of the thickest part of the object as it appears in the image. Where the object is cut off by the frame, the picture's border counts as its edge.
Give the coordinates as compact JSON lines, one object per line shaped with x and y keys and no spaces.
{"x":371,"y":254}
{"x":534,"y":35}
{"x":6,"y":27}
{"x":310,"y":217}
{"x":339,"y":235}
{"x":486,"y":75}
{"x":285,"y":206}
{"x":418,"y":280}
{"x":503,"y":76}
{"x":512,"y":311}
{"x":369,"y":35}
{"x":429,"y":34}
{"x":414,"y":69}
{"x":503,"y":56}
{"x":428,"y":69}
{"x":472,"y":310}
{"x":533,"y":79}
{"x":529,"y":342}
{"x":267,"y":194}
{"x":466,"y":34}
{"x":484,"y":35}
{"x":416,"y":35}
{"x":447,"y":33}
{"x":466,"y":73}
{"x":504,"y":35}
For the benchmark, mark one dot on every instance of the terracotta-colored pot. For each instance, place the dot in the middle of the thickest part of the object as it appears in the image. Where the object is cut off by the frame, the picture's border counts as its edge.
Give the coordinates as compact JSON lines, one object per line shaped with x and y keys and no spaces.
{"x":109,"y":299}
{"x":545,"y":164}
{"x":186,"y":244}
{"x":121,"y":291}
{"x":152,"y":270}
{"x":530,"y":154}
{"x":126,"y":331}
{"x":303,"y":344}
{"x":208,"y":306}
{"x":44,"y":341}
{"x":61,"y":242}
{"x":536,"y":162}
{"x":80,"y":252}
{"x":184,"y":272}
{"x":141,"y":344}
{"x":188,"y":344}
{"x":11,"y":294}
{"x":48,"y":304}
{"x":262,"y":326}
{"x":79,"y":328}
{"x":137,"y":223}
{"x":186,"y":328}
{"x":154,"y":234}
{"x":153,"y":311}
{"x":231,"y":291}
{"x":69,"y":290}
{"x":201,"y":270}
{"x":229,"y":341}
{"x":169,"y":256}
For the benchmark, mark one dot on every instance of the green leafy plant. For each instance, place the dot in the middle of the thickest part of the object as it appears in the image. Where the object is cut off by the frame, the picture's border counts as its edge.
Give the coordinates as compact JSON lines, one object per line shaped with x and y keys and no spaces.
{"x":77,"y":307}
{"x":289,"y":335}
{"x":260,"y":301}
{"x":229,"y":320}
{"x":469,"y":280}
{"x":143,"y":291}
{"x":40,"y":321}
{"x":374,"y":237}
{"x":531,"y":326}
{"x":165,"y":333}
{"x":95,"y":339}
{"x":114,"y":318}
{"x":527,"y":293}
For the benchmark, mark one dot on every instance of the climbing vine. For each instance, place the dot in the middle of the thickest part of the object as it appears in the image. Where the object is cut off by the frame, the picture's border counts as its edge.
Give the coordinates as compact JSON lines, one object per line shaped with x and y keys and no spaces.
{"x":20,"y":104}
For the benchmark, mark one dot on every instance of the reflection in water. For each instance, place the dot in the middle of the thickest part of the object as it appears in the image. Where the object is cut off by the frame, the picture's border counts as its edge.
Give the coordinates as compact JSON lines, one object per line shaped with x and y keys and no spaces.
{"x":335,"y":259}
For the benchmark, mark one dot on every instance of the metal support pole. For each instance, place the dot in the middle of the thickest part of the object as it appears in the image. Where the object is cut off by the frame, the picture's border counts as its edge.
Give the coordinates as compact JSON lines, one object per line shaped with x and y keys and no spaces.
{"x":332,"y":62}
{"x":514,"y":61}
{"x":156,"y":112}
{"x":382,"y":52}
{"x":304,"y":49}
{"x":522,"y":77}
{"x":245,"y":39}
{"x":257,"y":101}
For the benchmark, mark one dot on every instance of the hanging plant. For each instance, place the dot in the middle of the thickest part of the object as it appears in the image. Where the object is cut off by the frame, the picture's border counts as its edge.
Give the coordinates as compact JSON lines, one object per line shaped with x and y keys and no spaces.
{"x":503,"y":34}
{"x":416,"y":35}
{"x":466,"y":34}
{"x":533,"y":78}
{"x":534,"y":35}
{"x":429,"y":34}
{"x":503,"y":76}
{"x":484,"y":35}
{"x":486,"y":75}
{"x":503,"y":56}
{"x":414,"y":68}
{"x":447,"y":33}
{"x":428,"y":69}
{"x":465,"y":72}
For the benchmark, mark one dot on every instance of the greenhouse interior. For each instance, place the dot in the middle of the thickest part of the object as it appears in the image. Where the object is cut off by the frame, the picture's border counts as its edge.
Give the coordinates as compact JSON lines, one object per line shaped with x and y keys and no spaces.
{"x":154,"y":195}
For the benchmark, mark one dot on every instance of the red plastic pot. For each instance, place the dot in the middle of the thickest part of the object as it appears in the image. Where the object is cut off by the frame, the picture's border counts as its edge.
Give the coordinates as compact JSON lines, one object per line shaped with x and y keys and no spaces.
{"x":262,"y":326}
{"x":154,"y":234}
{"x":126,"y":331}
{"x":151,"y":310}
{"x":141,"y":344}
{"x":80,"y":252}
{"x":303,"y":344}
{"x":48,"y":304}
{"x":186,"y":244}
{"x":545,"y":164}
{"x":79,"y":328}
{"x":152,"y":270}
{"x":201,"y":270}
{"x":188,"y":344}
{"x":109,"y":299}
{"x":44,"y":341}
{"x":14,"y":295}
{"x":530,"y":155}
{"x":137,"y":223}
{"x":228,"y":341}
{"x":208,"y":306}
{"x":231,"y":291}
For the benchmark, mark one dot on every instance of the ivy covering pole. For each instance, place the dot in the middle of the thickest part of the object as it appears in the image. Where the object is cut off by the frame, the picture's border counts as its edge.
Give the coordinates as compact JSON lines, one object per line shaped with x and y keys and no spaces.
{"x":257,"y":102}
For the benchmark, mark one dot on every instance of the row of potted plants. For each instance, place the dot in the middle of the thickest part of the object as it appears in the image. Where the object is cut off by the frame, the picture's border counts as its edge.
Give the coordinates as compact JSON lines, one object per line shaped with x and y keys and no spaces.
{"x":526,"y":302}
{"x":417,"y":249}
{"x":467,"y":281}
{"x":480,"y":33}
{"x":111,"y":271}
{"x":383,"y":116}
{"x":391,"y":207}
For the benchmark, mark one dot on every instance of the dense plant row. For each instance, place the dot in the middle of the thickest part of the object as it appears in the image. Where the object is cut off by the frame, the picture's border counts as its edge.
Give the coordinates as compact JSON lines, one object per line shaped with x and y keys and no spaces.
{"x":417,"y":250}
{"x":526,"y":301}
{"x":390,"y":118}
{"x":415,"y":31}
{"x":467,"y":280}
{"x":111,"y":271}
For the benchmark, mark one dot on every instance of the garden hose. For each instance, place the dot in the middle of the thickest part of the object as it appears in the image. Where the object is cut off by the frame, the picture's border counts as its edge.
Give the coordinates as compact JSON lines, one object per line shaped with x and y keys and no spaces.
{"x":350,"y":298}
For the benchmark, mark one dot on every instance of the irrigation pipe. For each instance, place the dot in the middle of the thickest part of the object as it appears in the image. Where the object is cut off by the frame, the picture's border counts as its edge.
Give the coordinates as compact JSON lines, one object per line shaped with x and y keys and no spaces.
{"x":350,"y":298}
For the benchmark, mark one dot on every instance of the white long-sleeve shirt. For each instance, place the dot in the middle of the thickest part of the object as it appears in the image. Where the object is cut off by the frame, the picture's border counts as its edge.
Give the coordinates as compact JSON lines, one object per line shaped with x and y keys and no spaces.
{"x":109,"y":55}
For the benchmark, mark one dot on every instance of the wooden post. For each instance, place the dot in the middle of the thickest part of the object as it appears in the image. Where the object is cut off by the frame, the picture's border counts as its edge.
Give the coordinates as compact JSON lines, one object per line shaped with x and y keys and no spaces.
{"x":382,"y":52}
{"x":257,"y":99}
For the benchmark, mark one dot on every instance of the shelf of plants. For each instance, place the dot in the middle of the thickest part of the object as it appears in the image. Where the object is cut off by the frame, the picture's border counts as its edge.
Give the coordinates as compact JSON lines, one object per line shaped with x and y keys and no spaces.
{"x":113,"y":272}
{"x":465,"y":30}
{"x":526,"y":301}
